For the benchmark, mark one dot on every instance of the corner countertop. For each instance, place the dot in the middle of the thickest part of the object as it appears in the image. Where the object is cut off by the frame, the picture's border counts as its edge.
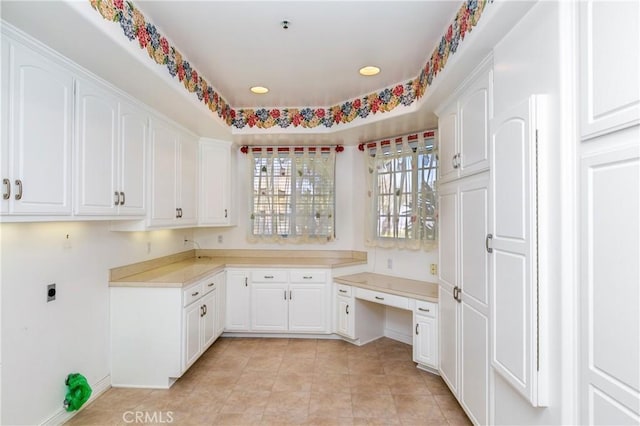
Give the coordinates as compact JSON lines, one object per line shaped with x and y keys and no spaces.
{"x":186,"y":268}
{"x":421,"y":290}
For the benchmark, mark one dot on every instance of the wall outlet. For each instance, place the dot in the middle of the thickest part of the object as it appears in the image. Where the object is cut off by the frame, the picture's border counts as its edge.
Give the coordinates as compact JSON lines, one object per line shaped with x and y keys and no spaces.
{"x":434,"y":269}
{"x":148,"y":247}
{"x":67,"y":242}
{"x":220,"y":239}
{"x":51,"y":292}
{"x":389,"y":263}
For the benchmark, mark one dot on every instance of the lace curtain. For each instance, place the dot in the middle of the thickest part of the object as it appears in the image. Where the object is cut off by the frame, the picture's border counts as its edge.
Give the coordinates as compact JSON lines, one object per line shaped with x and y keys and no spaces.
{"x":401,"y":196}
{"x":293,"y":196}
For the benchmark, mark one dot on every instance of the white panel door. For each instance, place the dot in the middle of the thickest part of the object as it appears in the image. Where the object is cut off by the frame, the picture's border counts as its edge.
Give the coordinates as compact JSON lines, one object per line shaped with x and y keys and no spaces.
{"x":96,"y":148}
{"x":610,"y":281}
{"x":425,"y":343}
{"x":448,"y":143}
{"x":215,"y":158}
{"x":164,"y":174}
{"x":238,"y":307}
{"x":307,"y":308}
{"x":192,"y":334}
{"x":269,"y":307}
{"x":513,"y":280}
{"x":474,"y":296}
{"x":475,"y":113}
{"x":448,"y":280}
{"x":609,"y":66}
{"x":188,"y":182}
{"x":41,"y":134}
{"x":5,"y":68}
{"x":132,"y":172}
{"x":208,"y":303}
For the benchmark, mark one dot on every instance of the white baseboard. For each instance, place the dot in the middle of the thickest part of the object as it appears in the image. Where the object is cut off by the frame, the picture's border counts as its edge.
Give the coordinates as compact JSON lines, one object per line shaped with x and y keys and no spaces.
{"x":62,"y":416}
{"x":280,"y":335}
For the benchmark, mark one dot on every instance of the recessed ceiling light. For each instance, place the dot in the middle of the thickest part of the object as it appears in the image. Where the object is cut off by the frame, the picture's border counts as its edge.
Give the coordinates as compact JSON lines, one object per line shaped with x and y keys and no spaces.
{"x":369,"y":70}
{"x":259,"y":90}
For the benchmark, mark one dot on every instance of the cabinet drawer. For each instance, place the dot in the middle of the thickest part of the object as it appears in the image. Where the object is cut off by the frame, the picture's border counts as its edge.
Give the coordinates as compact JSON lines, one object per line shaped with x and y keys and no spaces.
{"x":192,"y":293}
{"x":343,"y":290}
{"x":308,"y":276}
{"x":383,"y":298}
{"x":427,"y":309}
{"x":269,"y":276}
{"x":208,"y":285}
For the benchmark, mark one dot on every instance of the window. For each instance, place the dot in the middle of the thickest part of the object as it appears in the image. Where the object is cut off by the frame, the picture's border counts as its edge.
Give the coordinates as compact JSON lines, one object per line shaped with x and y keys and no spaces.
{"x":293,"y":195}
{"x":402,"y":176}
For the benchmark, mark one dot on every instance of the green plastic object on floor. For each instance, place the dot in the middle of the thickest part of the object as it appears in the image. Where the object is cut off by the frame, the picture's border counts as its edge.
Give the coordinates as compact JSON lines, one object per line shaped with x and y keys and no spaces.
{"x":78,"y":393}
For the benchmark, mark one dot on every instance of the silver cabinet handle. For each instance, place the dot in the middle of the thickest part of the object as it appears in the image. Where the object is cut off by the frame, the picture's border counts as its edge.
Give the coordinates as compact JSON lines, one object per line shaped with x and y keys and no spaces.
{"x":177,"y":213}
{"x":342,"y":291}
{"x":285,"y":294}
{"x":417,"y":325}
{"x":195,"y":294}
{"x":307,"y":277}
{"x":486,"y":243}
{"x":453,"y":162}
{"x":18,"y":196}
{"x":424,"y":310}
{"x":180,"y":210}
{"x":290,"y":297}
{"x":211,"y":284}
{"x":225,"y":213}
{"x":201,"y":311}
{"x":346,"y":309}
{"x":455,"y":292}
{"x":116,"y":198}
{"x":205,"y":309}
{"x":7,"y":185}
{"x":246,"y":281}
{"x":268,"y":277}
{"x":122,"y":198}
{"x":379,"y":298}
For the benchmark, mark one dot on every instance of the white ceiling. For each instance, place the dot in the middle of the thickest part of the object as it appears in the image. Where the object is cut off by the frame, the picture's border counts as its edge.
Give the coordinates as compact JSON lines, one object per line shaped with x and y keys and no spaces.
{"x":315,"y":62}
{"x":237,"y":44}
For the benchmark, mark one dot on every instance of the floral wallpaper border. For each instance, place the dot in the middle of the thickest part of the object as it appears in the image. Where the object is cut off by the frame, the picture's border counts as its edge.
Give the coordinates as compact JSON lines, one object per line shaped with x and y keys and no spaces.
{"x":135,"y":27}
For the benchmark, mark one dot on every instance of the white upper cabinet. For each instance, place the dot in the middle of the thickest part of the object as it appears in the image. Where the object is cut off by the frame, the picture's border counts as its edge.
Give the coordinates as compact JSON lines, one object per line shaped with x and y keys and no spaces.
{"x":463,"y":127}
{"x":96,"y":151}
{"x":173,"y":176}
{"x":132,"y":164}
{"x":609,"y":82}
{"x":216,"y":193}
{"x":36,"y":137}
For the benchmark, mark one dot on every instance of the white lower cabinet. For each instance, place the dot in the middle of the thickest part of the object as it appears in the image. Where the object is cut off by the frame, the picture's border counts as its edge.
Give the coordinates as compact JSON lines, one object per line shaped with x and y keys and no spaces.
{"x":158,"y":333}
{"x":278,"y":301}
{"x":425,"y":337}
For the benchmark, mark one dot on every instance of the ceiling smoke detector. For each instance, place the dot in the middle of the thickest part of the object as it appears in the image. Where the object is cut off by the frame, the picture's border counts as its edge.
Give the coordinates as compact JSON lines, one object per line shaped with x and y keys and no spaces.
{"x":285,"y":24}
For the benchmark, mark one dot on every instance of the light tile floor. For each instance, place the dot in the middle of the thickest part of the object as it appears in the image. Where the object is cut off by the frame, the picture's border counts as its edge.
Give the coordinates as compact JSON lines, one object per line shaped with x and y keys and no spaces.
{"x":244,"y":381}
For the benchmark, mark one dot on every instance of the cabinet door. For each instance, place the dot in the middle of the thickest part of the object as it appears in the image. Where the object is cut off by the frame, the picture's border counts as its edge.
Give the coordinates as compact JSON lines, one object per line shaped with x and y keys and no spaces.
{"x":609,"y":83}
{"x":448,"y":325}
{"x":132,"y":173}
{"x":221,"y":283}
{"x":474,"y":295}
{"x":5,"y":68}
{"x":238,"y":313}
{"x":209,"y":302}
{"x":214,"y":202}
{"x":164,"y":177}
{"x":513,"y":275}
{"x":269,"y":307}
{"x":96,"y":145}
{"x":307,"y":308}
{"x":448,"y":236}
{"x":425,"y":341}
{"x":41,"y":134}
{"x":192,"y":336}
{"x":345,"y":311}
{"x":474,"y":113}
{"x":610,"y":273}
{"x":188,"y":181}
{"x":448,"y":143}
